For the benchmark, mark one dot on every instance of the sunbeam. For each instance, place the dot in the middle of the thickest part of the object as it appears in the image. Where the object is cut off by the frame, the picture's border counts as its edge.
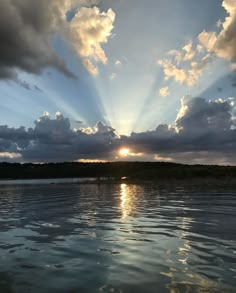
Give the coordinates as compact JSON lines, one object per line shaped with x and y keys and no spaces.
{"x":124,"y":87}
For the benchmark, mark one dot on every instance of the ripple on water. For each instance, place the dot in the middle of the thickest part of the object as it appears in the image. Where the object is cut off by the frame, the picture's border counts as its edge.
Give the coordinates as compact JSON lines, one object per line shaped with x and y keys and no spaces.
{"x":117,"y":238}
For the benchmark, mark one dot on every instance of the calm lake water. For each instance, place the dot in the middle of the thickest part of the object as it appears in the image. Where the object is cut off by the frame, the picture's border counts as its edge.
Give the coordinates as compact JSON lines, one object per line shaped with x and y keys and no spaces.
{"x":117,"y":238}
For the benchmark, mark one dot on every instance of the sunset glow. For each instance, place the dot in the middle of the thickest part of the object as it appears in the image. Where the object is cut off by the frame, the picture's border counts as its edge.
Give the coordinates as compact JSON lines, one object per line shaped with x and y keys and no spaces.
{"x":124,"y":152}
{"x":87,"y":85}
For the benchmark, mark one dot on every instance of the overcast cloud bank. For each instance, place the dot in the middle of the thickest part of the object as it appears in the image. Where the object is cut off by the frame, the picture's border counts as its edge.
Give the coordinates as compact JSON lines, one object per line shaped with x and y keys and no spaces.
{"x":203,"y":132}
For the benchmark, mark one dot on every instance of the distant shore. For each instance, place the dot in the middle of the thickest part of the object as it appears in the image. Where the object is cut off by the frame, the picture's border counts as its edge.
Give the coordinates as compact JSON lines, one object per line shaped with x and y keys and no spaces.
{"x":120,"y":172}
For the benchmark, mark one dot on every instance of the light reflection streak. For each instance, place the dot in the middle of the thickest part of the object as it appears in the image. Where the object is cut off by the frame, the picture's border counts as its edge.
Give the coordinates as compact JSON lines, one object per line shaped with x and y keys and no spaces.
{"x":184,"y":251}
{"x":127,"y":196}
{"x":124,"y":201}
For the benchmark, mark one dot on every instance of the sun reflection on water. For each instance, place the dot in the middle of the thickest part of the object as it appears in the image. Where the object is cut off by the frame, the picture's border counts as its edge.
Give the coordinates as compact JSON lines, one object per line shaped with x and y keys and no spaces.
{"x":127,"y":200}
{"x":184,"y":251}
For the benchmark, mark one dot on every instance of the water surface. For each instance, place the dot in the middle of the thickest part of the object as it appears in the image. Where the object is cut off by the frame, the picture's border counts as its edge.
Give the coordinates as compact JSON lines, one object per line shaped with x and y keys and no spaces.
{"x":117,"y":238}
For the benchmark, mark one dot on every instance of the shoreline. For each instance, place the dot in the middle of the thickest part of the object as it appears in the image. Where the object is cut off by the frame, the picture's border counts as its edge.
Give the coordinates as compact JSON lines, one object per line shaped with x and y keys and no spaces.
{"x":96,"y":180}
{"x":118,"y":172}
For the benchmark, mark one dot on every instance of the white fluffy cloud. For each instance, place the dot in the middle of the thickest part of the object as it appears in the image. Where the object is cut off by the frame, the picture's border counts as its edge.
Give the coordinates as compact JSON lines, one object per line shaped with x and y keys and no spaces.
{"x":186,"y":65}
{"x":118,"y":63}
{"x":88,"y":30}
{"x":164,"y":92}
{"x":113,"y":76}
{"x":190,"y":53}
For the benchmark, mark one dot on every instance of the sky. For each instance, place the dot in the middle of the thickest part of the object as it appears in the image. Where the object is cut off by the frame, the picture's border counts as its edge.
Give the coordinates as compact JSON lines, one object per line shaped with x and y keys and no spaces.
{"x":112,"y":80}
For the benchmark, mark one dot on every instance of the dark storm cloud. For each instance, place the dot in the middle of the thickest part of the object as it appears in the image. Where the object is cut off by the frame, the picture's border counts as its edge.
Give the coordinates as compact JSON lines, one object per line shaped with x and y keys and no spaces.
{"x":200,"y":116}
{"x":52,"y":139}
{"x":204,"y":131}
{"x":28,"y":29}
{"x":200,"y":126}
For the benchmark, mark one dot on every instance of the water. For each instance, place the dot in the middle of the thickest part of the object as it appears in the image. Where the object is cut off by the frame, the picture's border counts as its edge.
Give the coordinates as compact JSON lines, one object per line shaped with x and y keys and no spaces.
{"x":117,"y":238}
{"x":47,"y":181}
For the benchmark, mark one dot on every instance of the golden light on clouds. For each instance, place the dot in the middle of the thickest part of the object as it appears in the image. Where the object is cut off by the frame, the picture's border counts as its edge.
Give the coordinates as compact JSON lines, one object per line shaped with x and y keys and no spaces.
{"x":9,"y":155}
{"x":124,"y":152}
{"x":92,"y":161}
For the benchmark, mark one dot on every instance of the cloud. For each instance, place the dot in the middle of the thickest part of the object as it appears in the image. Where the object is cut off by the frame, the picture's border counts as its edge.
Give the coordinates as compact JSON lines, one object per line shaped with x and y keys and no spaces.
{"x":92,"y":161}
{"x":223,"y":44}
{"x":28,"y":28}
{"x":113,"y":76}
{"x":27,"y":86}
{"x":6,"y":155}
{"x":24,"y":84}
{"x":190,"y":53}
{"x":186,"y":65}
{"x":37,"y":88}
{"x":118,"y":63}
{"x":164,"y":92}
{"x":102,"y":128}
{"x":87,"y":31}
{"x":203,"y":132}
{"x":205,"y":128}
{"x":162,"y":159}
{"x":53,"y":139}
{"x":201,"y":117}
{"x":90,"y":67}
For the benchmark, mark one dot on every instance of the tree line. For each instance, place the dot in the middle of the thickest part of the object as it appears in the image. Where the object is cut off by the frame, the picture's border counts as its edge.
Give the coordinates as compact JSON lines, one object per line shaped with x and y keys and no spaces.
{"x":116,"y":170}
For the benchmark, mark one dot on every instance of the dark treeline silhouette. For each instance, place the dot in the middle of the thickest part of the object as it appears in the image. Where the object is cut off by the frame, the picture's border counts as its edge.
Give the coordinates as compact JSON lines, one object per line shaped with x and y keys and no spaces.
{"x":116,"y":170}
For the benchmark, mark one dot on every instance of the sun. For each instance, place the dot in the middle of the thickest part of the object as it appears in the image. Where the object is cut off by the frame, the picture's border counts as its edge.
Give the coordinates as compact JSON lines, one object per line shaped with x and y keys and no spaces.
{"x":124,"y":152}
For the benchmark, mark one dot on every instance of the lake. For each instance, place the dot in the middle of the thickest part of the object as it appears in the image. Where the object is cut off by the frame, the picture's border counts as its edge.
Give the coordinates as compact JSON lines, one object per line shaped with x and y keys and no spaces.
{"x":117,"y":238}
